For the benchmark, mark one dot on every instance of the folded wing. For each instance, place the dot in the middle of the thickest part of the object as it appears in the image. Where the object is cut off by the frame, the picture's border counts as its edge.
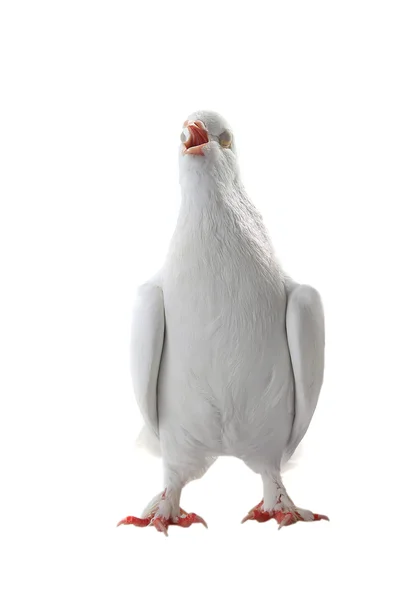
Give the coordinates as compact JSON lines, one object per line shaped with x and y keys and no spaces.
{"x":306,"y":339}
{"x":147,"y":342}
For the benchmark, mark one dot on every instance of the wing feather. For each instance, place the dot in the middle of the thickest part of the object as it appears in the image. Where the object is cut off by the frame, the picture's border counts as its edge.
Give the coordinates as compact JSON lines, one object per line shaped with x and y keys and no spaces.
{"x":306,"y":338}
{"x":147,"y":342}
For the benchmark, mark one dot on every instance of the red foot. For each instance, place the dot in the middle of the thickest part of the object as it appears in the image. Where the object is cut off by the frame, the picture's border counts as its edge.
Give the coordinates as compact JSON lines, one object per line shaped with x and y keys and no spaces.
{"x":135,"y":521}
{"x":282,"y":516}
{"x":161,"y":523}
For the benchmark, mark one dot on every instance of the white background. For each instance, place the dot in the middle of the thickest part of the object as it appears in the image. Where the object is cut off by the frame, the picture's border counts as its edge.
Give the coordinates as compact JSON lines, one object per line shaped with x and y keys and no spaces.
{"x":93,"y":95}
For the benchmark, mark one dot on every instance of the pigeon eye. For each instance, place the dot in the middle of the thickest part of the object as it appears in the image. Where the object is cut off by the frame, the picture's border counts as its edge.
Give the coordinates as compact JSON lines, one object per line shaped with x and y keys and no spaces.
{"x":225,"y":139}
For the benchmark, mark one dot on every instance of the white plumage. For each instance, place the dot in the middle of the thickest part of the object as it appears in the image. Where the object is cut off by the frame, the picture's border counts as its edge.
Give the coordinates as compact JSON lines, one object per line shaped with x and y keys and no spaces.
{"x":227,"y":351}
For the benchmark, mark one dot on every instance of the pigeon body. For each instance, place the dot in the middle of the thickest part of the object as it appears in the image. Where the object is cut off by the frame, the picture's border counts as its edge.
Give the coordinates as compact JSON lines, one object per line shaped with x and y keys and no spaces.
{"x":227,"y":350}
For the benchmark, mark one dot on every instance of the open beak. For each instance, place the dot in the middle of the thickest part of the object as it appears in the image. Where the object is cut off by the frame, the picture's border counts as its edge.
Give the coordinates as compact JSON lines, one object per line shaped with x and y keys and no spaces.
{"x":194,"y":137}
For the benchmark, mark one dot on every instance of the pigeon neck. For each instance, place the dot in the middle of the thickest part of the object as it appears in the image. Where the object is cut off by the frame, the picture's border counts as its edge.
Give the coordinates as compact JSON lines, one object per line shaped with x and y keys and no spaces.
{"x":205,"y":197}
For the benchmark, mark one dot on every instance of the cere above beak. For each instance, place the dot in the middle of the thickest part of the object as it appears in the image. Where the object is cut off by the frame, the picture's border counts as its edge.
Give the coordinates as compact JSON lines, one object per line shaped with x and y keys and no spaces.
{"x":194,"y":137}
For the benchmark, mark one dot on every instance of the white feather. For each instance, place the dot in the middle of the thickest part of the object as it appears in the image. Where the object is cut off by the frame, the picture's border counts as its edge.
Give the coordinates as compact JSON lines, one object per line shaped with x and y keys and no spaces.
{"x":306,"y":339}
{"x":148,"y":440}
{"x":146,"y":347}
{"x":238,"y":368}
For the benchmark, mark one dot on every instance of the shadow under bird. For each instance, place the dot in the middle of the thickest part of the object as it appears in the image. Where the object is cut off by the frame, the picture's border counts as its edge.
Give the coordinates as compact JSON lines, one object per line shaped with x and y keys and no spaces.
{"x":227,"y":350}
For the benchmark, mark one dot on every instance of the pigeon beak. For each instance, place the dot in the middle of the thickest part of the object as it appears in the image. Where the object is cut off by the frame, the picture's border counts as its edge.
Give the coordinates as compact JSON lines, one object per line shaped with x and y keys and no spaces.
{"x":194,"y":137}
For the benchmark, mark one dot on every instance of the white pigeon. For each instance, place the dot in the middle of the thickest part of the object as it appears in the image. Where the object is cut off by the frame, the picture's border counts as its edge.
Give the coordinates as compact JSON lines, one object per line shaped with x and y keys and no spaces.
{"x":227,"y":350}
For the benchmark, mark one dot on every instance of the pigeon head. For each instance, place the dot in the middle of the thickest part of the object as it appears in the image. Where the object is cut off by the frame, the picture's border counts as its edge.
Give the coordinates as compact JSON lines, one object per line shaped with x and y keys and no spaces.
{"x":207,"y":146}
{"x":202,"y":130}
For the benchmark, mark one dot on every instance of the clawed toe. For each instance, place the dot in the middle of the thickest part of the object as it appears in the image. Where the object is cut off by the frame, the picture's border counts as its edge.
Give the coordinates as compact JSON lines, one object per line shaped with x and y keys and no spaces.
{"x":135,"y":521}
{"x":188,"y":519}
{"x":161,"y":523}
{"x":283,"y":516}
{"x":258,"y":514}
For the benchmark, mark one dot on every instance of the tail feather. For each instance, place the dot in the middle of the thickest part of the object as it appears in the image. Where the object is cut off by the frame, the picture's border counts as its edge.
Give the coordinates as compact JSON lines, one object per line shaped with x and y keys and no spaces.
{"x":290,"y":461}
{"x":148,"y":440}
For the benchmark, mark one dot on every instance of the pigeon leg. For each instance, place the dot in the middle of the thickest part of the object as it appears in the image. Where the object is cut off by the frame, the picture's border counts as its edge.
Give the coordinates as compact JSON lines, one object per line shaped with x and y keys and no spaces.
{"x":277,"y":505}
{"x":161,"y":517}
{"x":164,"y":509}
